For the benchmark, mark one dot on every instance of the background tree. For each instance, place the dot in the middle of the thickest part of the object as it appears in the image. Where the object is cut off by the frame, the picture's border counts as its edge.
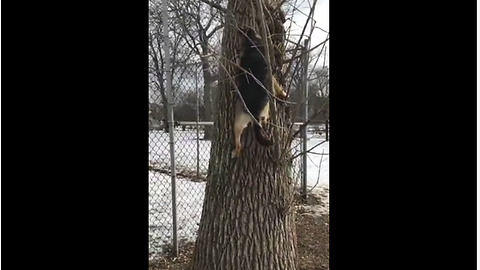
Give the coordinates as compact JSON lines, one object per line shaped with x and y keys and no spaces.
{"x":200,"y":25}
{"x":186,"y":110}
{"x":318,"y":95}
{"x":179,"y":57}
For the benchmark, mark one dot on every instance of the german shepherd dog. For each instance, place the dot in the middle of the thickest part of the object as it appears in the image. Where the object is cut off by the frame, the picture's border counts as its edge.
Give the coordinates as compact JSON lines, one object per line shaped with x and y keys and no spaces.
{"x":252,"y":84}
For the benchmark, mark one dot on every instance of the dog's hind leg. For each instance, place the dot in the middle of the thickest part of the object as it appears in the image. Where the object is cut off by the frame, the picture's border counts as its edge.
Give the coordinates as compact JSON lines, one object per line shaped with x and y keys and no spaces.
{"x":260,"y":133}
{"x":242,"y":118}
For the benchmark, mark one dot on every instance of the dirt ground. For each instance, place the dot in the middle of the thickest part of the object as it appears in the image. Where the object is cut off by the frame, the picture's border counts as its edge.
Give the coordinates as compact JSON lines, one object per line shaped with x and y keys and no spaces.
{"x":312,"y":227}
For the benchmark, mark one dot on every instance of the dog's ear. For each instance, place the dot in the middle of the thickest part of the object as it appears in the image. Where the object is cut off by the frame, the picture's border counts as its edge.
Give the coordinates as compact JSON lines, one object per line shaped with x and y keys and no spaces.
{"x":250,"y":37}
{"x":249,"y":32}
{"x":252,"y":34}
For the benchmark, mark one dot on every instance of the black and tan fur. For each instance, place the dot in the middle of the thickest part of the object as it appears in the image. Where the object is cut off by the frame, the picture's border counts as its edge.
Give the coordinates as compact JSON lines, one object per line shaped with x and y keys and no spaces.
{"x":255,"y":96}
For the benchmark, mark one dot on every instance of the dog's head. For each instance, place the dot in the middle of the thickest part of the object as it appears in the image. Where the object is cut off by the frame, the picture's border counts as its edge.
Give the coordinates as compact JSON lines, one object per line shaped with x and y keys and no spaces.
{"x":250,"y":38}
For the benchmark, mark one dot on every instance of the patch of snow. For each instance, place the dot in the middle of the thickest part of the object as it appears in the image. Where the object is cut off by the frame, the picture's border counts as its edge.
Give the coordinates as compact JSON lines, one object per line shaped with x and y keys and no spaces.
{"x":185,"y":150}
{"x":321,"y":209}
{"x":318,"y":163}
{"x":317,"y":160}
{"x":189,"y":201}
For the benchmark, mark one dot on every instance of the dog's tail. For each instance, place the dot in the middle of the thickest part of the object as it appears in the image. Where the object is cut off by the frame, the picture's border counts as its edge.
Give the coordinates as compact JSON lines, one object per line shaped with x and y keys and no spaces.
{"x":261,"y":136}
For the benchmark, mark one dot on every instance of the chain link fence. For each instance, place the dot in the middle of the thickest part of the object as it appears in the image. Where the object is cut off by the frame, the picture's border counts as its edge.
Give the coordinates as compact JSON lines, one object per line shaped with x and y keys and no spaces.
{"x":192,"y":153}
{"x":175,"y":207}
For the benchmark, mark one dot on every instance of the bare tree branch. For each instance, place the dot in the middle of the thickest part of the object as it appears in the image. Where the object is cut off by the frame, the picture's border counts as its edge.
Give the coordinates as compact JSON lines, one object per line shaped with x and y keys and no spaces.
{"x":298,"y":45}
{"x":315,"y":114}
{"x":310,"y":50}
{"x":308,"y":151}
{"x":215,"y":29}
{"x":212,"y":17}
{"x":215,"y":5}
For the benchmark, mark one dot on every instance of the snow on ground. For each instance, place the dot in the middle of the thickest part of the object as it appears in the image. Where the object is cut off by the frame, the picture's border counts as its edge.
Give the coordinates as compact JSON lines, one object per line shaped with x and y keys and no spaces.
{"x":189,"y":208}
{"x":317,"y":175}
{"x":320,"y":193}
{"x":317,"y":160}
{"x":190,"y":194}
{"x":186,"y":151}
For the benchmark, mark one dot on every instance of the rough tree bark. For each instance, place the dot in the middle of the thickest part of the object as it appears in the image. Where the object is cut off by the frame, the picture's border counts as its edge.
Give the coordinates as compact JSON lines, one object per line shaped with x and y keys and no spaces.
{"x":247,"y":219}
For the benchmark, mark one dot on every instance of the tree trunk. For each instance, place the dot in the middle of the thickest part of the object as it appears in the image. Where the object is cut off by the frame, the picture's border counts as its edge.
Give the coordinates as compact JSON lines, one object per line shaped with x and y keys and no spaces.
{"x":165,"y":115}
{"x":247,"y":222}
{"x":326,"y":125}
{"x":208,"y":80}
{"x":208,"y":135}
{"x":247,"y":219}
{"x":158,"y":67}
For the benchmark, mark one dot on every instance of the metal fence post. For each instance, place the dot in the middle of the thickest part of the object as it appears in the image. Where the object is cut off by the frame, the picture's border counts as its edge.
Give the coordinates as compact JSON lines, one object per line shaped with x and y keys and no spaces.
{"x":171,"y":125}
{"x":305,"y":119}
